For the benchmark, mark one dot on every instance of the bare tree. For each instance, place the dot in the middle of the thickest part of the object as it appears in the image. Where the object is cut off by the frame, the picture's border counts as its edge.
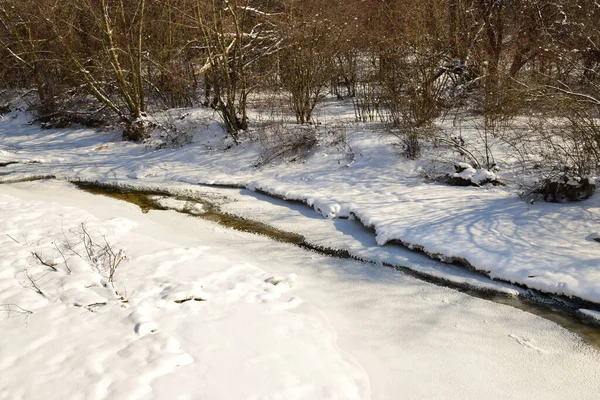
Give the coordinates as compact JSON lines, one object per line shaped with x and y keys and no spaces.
{"x":306,"y":63}
{"x":233,"y":36}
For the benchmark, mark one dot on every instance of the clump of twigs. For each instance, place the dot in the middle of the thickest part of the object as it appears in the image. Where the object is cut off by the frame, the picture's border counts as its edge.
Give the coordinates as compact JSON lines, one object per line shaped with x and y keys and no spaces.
{"x":283,"y":142}
{"x":14,"y":310}
{"x":95,"y":250}
{"x":100,"y":255}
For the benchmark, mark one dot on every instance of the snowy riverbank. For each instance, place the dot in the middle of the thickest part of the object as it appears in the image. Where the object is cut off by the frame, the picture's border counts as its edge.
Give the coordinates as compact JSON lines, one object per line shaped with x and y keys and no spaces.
{"x":548,"y":247}
{"x":196,"y":311}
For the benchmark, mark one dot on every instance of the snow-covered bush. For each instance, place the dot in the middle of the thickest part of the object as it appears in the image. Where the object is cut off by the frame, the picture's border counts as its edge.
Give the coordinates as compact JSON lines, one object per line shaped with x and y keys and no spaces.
{"x":171,"y":130}
{"x":466,"y":175}
{"x":565,"y":187}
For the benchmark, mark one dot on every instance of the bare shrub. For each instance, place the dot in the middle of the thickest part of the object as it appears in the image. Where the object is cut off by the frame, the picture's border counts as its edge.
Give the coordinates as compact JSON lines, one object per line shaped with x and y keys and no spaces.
{"x":306,"y":61}
{"x":290,"y":142}
{"x":367,"y":102}
{"x":78,"y":242}
{"x":166,"y":134}
{"x":410,"y":141}
{"x":568,"y":140}
{"x":285,"y":142}
{"x":100,"y":254}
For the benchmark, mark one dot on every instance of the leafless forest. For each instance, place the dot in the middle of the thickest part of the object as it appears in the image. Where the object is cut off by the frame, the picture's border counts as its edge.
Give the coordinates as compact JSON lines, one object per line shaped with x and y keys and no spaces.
{"x":404,"y":63}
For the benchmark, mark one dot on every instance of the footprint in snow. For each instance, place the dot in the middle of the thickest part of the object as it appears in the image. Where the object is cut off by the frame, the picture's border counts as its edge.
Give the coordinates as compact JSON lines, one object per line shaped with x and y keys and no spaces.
{"x":530,"y":343}
{"x":143,"y":324}
{"x":289,"y":280}
{"x":184,"y":293}
{"x":144,"y":328}
{"x":293,"y":302}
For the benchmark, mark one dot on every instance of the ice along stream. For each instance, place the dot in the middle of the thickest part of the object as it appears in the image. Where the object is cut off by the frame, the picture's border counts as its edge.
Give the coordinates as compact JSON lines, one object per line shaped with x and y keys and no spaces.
{"x":211,"y":205}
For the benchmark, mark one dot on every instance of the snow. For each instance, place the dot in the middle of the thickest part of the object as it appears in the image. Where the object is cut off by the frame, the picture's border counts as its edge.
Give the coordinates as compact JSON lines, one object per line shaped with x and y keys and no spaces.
{"x":471,"y":174}
{"x":591,"y":314}
{"x":179,"y":205}
{"x":124,"y":345}
{"x":543,"y":246}
{"x":345,"y":234}
{"x":198,"y":310}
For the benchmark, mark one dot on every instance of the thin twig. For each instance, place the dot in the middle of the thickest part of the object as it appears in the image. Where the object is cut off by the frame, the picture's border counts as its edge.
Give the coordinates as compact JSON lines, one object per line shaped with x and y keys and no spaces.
{"x":113,"y":259}
{"x":20,"y":310}
{"x":43,"y":262}
{"x":13,"y":239}
{"x":68,"y":244}
{"x":63,"y":257}
{"x":34,"y":285}
{"x":88,"y":243}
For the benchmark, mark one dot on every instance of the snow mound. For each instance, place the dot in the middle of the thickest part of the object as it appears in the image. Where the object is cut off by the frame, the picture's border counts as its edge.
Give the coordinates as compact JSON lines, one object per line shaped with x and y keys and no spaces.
{"x":466,"y":174}
{"x":326,"y":208}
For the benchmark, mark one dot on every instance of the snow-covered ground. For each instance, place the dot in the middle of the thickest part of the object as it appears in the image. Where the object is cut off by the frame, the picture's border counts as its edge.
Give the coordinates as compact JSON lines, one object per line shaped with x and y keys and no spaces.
{"x":198,"y":311}
{"x":549,"y":247}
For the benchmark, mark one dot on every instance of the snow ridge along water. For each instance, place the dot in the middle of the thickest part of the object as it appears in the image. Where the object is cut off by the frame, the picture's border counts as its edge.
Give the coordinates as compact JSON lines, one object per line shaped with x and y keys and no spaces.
{"x":199,"y":309}
{"x":541,"y":246}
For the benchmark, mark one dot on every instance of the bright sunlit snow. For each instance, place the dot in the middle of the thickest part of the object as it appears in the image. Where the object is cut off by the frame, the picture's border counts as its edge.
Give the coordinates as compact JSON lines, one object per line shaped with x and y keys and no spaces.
{"x":543,"y":246}
{"x":196,"y":310}
{"x":100,"y":301}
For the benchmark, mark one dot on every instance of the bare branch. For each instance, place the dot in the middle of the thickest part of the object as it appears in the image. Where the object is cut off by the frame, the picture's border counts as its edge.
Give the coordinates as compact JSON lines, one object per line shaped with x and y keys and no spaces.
{"x":34,"y":285}
{"x":44,"y":262}
{"x":13,"y":239}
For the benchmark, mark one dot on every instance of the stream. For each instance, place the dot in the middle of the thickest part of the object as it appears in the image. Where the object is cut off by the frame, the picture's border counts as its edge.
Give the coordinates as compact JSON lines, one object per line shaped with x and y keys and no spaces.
{"x":560,"y":310}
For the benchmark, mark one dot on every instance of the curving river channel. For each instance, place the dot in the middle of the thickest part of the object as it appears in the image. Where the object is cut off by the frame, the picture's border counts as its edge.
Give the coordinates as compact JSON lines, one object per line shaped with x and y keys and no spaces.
{"x":562,"y":311}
